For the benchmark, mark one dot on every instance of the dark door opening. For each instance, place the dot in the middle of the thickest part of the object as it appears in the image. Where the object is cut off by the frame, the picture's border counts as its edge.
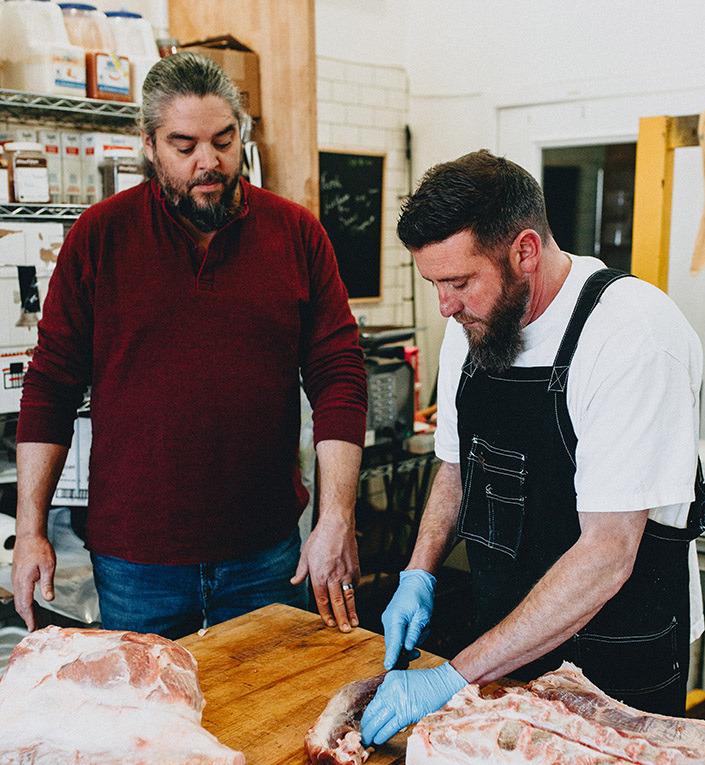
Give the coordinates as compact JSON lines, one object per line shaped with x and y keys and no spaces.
{"x":590,"y":200}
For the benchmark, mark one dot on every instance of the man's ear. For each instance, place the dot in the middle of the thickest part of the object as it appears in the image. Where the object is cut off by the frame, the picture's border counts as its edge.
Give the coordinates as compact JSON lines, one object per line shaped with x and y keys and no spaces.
{"x":148,"y":146}
{"x":525,"y":251}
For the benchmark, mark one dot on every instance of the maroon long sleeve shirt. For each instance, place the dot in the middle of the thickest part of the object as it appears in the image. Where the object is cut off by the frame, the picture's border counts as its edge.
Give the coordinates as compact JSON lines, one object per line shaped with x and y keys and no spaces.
{"x":194,"y":371}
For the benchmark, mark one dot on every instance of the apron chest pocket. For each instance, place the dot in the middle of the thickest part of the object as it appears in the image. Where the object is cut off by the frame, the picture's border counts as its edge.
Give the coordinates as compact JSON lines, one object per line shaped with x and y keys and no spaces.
{"x":492,"y":508}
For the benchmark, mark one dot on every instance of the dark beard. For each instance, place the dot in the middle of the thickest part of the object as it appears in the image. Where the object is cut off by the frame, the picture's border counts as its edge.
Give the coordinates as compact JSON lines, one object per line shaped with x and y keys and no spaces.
{"x":211,"y":215}
{"x":499,"y":345}
{"x":215,"y":213}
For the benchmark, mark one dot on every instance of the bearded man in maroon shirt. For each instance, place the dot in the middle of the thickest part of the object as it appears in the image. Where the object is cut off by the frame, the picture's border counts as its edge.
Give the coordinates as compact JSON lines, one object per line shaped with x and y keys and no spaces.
{"x":193,"y":305}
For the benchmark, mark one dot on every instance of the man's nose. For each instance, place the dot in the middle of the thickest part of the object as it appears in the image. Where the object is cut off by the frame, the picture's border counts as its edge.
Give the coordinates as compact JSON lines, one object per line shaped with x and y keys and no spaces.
{"x":449,"y":303}
{"x":207,"y":157}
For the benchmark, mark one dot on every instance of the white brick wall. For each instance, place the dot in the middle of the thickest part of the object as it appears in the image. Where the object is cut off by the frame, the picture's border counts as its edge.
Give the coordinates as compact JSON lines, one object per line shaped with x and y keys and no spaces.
{"x":365,"y":107}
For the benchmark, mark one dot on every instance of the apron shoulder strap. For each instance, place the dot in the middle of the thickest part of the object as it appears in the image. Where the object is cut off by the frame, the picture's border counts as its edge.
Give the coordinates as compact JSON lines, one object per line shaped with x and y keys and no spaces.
{"x":589,"y":296}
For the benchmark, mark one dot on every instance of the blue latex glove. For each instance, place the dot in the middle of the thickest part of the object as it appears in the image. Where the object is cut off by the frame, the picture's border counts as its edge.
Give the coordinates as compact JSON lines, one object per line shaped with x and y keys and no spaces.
{"x":405,"y":697}
{"x":406,"y":617}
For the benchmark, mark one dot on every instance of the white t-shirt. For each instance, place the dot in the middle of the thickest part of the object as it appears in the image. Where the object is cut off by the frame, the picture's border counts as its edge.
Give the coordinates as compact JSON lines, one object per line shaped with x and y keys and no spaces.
{"x":637,"y":443}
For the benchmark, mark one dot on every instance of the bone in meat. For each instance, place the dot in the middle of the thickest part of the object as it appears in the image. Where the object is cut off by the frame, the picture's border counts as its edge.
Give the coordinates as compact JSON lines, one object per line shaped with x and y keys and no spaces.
{"x":519,"y":726}
{"x":96,"y":696}
{"x":471,"y":729}
{"x":334,"y":739}
{"x":570,"y":686}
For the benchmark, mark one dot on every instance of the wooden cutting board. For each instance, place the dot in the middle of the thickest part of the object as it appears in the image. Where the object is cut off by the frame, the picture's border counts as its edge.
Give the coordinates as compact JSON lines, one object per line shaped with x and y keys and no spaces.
{"x":267,"y":676}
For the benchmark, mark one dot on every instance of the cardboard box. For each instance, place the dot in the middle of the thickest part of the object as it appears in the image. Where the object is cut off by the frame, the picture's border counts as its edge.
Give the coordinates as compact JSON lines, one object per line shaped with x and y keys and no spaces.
{"x":24,"y":134}
{"x":13,"y":365}
{"x":4,"y":185}
{"x":241,"y":64}
{"x":12,"y":244}
{"x":51,"y":142}
{"x":43,"y":240}
{"x":93,"y":149}
{"x":21,"y":244}
{"x":14,"y":338}
{"x":30,"y":243}
{"x":71,"y":167}
{"x":72,"y":488}
{"x":89,"y":169}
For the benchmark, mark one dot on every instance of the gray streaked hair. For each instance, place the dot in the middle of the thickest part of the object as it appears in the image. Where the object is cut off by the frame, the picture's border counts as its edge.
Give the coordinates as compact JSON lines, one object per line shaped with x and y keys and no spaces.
{"x":184,"y":74}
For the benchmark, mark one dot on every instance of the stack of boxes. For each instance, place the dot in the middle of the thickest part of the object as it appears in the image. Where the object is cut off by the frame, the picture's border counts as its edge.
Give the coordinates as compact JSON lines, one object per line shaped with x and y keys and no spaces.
{"x":74,"y":159}
{"x":22,"y":245}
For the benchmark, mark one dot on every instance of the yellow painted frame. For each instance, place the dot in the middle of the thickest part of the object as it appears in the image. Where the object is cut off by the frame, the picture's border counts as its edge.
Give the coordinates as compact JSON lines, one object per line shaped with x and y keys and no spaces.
{"x":653,"y":192}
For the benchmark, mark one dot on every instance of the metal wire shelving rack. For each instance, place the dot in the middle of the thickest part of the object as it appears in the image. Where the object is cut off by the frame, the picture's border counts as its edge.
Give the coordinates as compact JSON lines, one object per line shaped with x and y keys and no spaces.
{"x":62,"y":111}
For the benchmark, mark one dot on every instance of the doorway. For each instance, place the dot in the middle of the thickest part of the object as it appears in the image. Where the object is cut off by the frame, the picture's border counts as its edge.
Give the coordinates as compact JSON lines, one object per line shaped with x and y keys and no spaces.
{"x":589,"y":194}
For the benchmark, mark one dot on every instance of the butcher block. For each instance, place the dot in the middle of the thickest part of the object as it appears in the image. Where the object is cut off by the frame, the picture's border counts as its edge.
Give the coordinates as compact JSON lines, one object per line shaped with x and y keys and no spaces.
{"x":267,"y":676}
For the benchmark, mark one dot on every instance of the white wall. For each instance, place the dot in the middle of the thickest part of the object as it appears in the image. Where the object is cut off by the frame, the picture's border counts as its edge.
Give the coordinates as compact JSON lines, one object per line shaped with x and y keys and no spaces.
{"x":466,"y":46}
{"x":365,"y":107}
{"x":688,"y":199}
{"x":366,"y":31}
{"x":513,"y":77}
{"x":370,"y":35}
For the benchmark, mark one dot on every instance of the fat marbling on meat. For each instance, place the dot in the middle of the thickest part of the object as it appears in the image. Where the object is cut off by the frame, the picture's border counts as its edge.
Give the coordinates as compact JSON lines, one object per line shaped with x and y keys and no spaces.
{"x":570,"y":686}
{"x":559,"y":718}
{"x":96,"y":696}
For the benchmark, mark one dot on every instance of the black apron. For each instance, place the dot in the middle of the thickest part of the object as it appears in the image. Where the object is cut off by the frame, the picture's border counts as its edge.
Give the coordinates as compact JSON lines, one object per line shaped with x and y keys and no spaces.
{"x":518,"y":515}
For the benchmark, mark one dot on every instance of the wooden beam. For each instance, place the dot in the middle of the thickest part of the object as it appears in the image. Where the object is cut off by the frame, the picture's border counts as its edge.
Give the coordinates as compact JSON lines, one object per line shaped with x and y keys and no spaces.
{"x":282,"y":33}
{"x":653,"y":191}
{"x":682,"y":131}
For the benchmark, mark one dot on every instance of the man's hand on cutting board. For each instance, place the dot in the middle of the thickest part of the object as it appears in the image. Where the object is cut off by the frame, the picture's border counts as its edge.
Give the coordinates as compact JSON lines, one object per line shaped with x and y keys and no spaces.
{"x":405,"y":697}
{"x":329,"y":556}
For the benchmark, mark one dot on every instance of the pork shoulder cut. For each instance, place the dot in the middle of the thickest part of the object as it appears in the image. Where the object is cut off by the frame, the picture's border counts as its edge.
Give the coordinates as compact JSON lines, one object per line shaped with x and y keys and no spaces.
{"x":85,"y":696}
{"x":334,"y":739}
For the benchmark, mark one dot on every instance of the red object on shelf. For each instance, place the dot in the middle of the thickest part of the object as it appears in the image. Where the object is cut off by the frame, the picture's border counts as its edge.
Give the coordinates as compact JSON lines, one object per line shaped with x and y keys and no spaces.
{"x":411,"y":354}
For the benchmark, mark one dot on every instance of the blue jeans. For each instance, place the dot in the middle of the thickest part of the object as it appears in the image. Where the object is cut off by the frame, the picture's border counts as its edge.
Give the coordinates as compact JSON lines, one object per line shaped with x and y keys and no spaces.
{"x":174,"y":601}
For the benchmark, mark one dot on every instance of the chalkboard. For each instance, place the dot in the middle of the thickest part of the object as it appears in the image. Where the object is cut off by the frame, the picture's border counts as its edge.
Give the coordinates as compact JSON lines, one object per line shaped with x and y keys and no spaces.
{"x":351,"y":191}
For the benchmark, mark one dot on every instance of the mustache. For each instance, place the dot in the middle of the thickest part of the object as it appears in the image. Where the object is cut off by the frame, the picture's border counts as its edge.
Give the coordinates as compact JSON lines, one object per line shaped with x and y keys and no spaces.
{"x":463,"y":318}
{"x":211,"y":176}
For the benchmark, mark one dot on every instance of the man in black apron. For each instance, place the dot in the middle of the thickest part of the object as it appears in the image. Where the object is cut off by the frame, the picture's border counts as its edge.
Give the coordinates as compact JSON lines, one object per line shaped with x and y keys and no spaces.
{"x":608,"y":591}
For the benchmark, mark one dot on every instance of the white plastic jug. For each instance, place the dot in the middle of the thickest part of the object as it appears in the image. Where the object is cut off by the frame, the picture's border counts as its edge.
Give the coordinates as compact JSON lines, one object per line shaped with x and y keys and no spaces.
{"x":87,"y":26}
{"x":135,"y":39}
{"x":30,"y":24}
{"x":133,"y":34}
{"x":38,"y":56}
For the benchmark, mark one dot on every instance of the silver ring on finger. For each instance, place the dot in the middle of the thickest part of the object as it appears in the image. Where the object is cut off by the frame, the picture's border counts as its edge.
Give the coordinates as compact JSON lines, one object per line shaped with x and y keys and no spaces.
{"x":346,"y":587}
